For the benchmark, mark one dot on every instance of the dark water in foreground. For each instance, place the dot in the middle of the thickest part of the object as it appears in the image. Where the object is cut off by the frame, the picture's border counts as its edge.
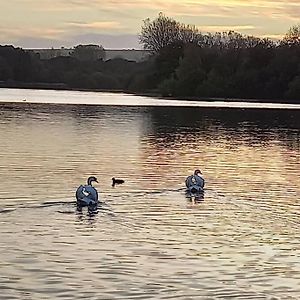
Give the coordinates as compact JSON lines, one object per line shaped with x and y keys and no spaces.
{"x":148,"y":241}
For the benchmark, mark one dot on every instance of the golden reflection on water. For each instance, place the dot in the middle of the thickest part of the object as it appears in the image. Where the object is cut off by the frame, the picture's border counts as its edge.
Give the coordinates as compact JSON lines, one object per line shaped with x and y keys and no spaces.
{"x":148,"y":240}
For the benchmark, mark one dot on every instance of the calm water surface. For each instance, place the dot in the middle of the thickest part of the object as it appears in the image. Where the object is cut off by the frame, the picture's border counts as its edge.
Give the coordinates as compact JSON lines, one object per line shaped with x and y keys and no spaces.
{"x":148,"y":241}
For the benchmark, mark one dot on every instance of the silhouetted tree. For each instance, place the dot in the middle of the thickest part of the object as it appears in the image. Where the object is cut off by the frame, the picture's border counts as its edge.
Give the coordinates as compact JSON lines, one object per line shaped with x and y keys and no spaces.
{"x":293,"y":91}
{"x":159,"y":33}
{"x":18,"y":64}
{"x":165,"y":31}
{"x":167,"y":60}
{"x":88,"y":52}
{"x":186,"y":63}
{"x":6,"y":71}
{"x":189,"y":73}
{"x":292,"y":37}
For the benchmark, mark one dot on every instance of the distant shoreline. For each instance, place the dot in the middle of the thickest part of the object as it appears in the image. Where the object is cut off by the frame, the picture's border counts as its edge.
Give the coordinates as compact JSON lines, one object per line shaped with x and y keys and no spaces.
{"x":153,"y":94}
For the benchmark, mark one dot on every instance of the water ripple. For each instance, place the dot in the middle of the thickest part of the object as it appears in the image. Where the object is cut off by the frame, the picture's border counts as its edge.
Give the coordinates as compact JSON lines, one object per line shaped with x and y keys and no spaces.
{"x":148,"y":240}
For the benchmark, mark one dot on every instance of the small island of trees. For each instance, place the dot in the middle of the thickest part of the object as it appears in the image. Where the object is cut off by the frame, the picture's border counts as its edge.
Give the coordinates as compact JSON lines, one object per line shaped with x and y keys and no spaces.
{"x":184,"y":62}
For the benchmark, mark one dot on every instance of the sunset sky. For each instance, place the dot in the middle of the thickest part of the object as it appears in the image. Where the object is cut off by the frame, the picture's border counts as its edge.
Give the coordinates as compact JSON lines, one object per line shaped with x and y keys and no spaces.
{"x":115,"y":24}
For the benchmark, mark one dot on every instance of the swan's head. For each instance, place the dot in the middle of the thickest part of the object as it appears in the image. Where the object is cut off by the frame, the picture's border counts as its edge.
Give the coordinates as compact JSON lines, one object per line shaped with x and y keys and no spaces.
{"x":91,"y":179}
{"x":197,"y":172}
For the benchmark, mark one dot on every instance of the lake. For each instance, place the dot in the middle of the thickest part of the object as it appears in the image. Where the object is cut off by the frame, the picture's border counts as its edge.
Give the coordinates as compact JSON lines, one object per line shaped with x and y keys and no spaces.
{"x":148,"y":240}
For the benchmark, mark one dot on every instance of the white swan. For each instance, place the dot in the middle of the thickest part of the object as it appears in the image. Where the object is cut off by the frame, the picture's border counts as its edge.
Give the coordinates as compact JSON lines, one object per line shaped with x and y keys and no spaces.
{"x":87,"y":195}
{"x":195,"y":183}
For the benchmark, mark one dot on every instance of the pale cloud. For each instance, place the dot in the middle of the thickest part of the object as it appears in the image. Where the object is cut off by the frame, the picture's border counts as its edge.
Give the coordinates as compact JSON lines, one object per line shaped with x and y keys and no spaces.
{"x":96,"y":25}
{"x":17,"y":32}
{"x":82,"y":5}
{"x":273,"y":36}
{"x":222,"y":28}
{"x":229,"y":9}
{"x":221,"y":8}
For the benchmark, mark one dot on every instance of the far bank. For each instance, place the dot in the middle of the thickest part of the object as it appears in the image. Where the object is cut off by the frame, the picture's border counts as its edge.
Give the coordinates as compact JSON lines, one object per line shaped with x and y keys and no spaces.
{"x":153,"y":93}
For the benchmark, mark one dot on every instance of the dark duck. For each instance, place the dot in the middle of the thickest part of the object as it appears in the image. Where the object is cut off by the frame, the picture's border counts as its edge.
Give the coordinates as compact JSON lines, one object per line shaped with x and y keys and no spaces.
{"x":87,"y":195}
{"x":195,"y":183}
{"x":117,"y":181}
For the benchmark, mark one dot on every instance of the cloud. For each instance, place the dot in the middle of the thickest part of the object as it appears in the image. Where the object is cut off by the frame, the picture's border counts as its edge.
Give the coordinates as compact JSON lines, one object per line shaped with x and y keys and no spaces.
{"x":18,"y":32}
{"x":172,"y":7}
{"x":273,"y":36}
{"x":108,"y":41}
{"x":60,"y":20}
{"x":221,"y":28}
{"x":228,"y":9}
{"x":71,"y":5}
{"x":95,"y":25}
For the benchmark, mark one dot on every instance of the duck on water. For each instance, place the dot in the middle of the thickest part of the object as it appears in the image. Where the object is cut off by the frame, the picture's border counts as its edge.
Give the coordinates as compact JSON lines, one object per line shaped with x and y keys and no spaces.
{"x":195,"y":183}
{"x":87,"y":195}
{"x":116,"y":181}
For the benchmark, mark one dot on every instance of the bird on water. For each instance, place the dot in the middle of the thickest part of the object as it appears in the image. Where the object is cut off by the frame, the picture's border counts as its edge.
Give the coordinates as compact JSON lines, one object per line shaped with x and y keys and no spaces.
{"x":117,"y":181}
{"x":87,"y":195}
{"x":195,"y":183}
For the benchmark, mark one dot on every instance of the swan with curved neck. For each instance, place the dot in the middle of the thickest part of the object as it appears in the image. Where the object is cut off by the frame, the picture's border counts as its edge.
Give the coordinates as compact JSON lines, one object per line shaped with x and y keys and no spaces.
{"x":87,"y":195}
{"x":91,"y":179}
{"x":195,"y":183}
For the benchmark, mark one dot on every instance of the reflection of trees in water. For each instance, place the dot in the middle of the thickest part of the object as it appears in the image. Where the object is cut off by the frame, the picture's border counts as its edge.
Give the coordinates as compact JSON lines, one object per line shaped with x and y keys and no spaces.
{"x":172,"y":125}
{"x":76,"y":114}
{"x":250,"y":126}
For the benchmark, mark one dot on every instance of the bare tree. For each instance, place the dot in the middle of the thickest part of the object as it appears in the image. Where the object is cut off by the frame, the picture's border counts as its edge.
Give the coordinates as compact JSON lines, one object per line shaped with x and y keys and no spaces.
{"x":292,"y":37}
{"x":159,"y":33}
{"x":164,"y":31}
{"x":190,"y":34}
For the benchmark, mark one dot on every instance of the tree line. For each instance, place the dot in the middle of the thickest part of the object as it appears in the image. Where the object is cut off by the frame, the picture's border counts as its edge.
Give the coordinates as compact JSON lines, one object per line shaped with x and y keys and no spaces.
{"x":184,"y":63}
